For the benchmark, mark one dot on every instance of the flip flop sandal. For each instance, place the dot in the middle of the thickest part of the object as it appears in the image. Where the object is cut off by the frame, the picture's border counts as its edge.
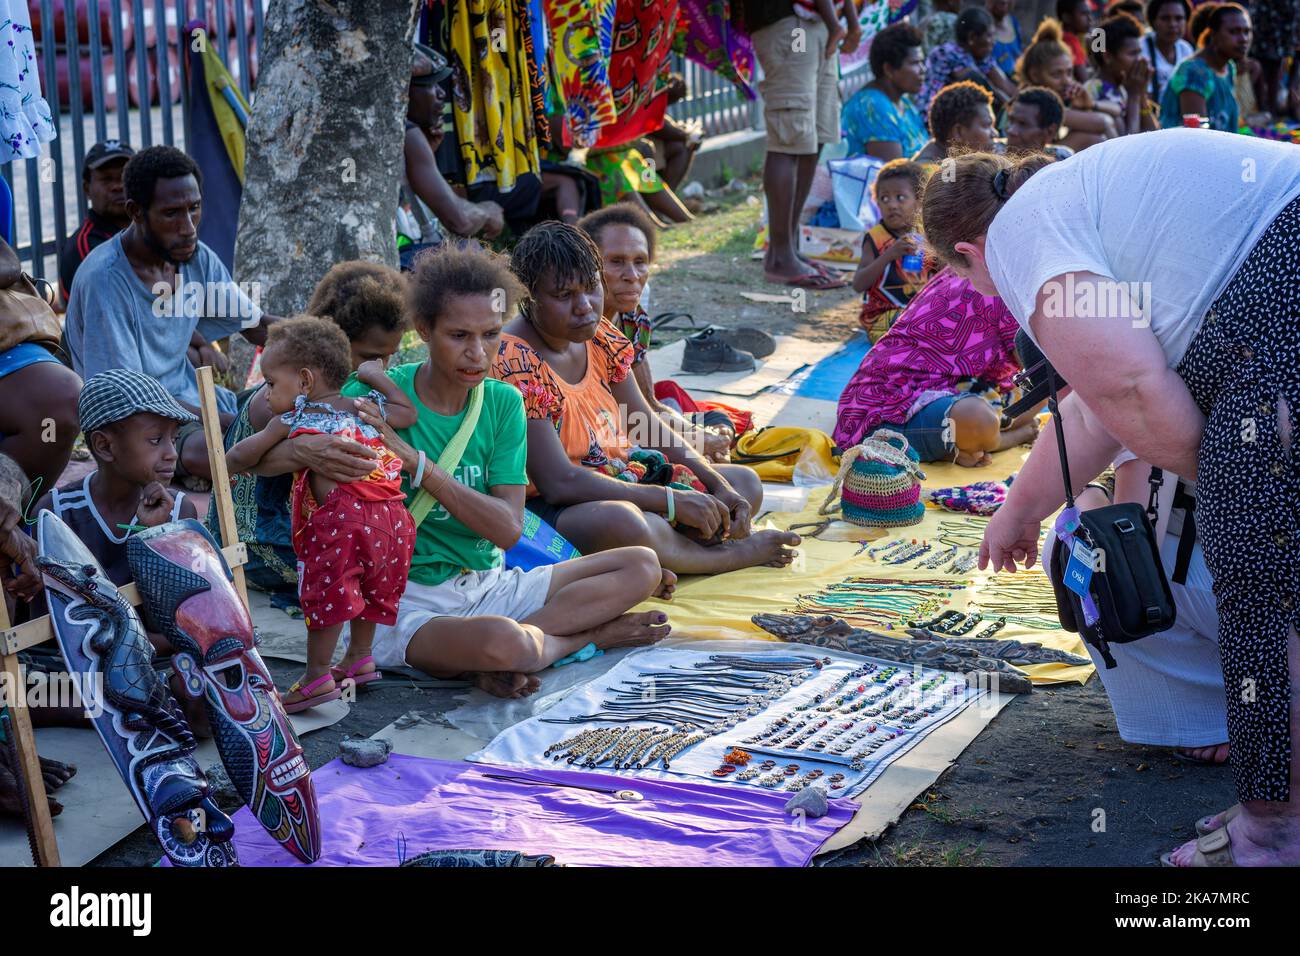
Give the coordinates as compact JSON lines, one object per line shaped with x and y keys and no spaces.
{"x":310,"y":700}
{"x":1203,"y":826}
{"x":810,"y":280}
{"x":1199,"y":761}
{"x":359,"y":680}
{"x":1212,"y":849}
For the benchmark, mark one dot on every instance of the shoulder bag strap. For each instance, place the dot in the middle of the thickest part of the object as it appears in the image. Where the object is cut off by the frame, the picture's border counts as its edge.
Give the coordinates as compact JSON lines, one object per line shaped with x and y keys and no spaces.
{"x":1060,"y":438}
{"x":449,"y":460}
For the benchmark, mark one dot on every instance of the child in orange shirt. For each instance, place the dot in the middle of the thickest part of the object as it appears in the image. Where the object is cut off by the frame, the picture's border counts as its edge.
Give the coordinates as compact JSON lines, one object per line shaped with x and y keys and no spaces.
{"x":892,"y":268}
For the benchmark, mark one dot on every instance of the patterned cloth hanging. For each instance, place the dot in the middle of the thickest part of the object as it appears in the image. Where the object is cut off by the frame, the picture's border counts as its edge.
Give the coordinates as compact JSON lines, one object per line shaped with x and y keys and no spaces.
{"x":707,"y":37}
{"x":536,"y":52}
{"x":491,"y":90}
{"x":640,"y":68}
{"x":582,"y":36}
{"x":25,"y":120}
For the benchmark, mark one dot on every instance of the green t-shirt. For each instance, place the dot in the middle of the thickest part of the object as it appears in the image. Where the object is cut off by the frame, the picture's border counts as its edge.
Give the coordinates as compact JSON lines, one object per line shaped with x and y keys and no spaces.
{"x":496,"y":455}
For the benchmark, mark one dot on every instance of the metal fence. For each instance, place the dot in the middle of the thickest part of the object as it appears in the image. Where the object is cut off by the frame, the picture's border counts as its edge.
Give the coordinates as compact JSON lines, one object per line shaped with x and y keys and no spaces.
{"x":720,"y":107}
{"x":113,"y":69}
{"x":117,"y":69}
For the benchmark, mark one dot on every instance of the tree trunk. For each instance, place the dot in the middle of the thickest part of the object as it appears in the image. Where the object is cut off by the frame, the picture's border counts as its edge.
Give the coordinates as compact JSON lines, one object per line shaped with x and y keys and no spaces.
{"x":324,"y":157}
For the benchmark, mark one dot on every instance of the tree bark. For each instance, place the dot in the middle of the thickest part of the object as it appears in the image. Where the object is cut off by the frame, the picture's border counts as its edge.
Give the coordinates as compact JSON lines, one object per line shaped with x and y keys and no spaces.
{"x":324,"y":155}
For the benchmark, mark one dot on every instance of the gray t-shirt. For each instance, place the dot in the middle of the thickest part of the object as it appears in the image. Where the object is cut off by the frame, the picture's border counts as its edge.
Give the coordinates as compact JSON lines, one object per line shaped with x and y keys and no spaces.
{"x":1171,"y":215}
{"x":115,"y":321}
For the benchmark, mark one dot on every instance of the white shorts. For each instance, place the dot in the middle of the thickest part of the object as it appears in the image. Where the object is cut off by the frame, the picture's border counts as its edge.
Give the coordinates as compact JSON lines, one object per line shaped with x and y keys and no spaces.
{"x":512,"y":593}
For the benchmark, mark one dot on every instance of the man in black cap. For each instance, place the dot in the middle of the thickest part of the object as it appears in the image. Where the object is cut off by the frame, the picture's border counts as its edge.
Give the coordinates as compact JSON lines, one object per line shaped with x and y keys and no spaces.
{"x":101,"y":181}
{"x":424,"y":134}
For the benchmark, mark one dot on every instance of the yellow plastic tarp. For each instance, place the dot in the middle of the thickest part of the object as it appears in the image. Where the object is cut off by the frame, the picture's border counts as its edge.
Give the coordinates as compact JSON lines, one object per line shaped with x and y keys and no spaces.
{"x":722,"y":605}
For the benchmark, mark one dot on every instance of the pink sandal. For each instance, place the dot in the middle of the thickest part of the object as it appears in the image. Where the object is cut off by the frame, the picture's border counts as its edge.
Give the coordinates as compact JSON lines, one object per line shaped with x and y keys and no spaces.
{"x":310,"y":700}
{"x":340,"y":675}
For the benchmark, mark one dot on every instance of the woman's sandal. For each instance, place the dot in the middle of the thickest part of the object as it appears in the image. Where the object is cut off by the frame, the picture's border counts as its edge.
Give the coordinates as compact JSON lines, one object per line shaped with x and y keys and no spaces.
{"x":1212,"y":849}
{"x":341,"y":674}
{"x":1204,"y":826}
{"x":310,"y":700}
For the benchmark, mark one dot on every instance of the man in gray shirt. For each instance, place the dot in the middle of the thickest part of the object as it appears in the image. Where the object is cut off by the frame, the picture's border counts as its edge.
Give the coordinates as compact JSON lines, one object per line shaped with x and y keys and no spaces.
{"x":154,"y":297}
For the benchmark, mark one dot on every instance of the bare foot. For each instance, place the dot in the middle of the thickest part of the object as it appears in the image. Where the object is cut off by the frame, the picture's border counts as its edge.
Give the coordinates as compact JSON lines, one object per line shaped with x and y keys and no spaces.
{"x":769,"y":548}
{"x":667,"y":585}
{"x":1023,"y":434}
{"x":56,"y":773}
{"x":1218,"y":754}
{"x":505,"y":684}
{"x":1258,"y":839}
{"x":973,"y":459}
{"x":10,"y":793}
{"x":630,"y":630}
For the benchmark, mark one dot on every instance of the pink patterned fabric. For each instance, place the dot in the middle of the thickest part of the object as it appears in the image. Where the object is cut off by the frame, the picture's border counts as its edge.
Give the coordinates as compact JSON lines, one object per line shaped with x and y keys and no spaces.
{"x":947,"y":336}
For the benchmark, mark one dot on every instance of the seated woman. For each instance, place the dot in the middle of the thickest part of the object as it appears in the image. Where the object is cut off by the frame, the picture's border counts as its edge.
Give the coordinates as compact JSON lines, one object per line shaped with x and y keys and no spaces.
{"x":1123,"y":77}
{"x":626,"y":240}
{"x":880,"y":119}
{"x":38,"y":398}
{"x":604,"y":471}
{"x":969,"y":57}
{"x":1048,"y":62}
{"x":924,"y":379}
{"x":365,"y":299}
{"x":961,"y":118}
{"x":463,"y":613}
{"x":1204,"y":84}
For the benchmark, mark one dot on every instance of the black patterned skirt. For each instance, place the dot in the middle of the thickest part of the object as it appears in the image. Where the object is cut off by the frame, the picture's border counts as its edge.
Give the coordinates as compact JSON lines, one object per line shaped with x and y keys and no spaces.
{"x":1243,"y":370}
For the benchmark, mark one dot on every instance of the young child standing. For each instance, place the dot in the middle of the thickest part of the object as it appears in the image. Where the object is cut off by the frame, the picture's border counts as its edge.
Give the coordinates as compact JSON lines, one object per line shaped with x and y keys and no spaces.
{"x":353,"y":541}
{"x":892,"y":268}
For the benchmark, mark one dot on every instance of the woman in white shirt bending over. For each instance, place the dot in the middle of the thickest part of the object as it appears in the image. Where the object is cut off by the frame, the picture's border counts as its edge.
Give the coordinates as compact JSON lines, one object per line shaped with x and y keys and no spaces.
{"x":1160,"y":275}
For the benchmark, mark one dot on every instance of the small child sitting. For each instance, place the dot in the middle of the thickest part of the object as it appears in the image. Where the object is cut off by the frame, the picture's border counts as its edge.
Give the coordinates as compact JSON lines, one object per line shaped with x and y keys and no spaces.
{"x":353,"y":541}
{"x":892,"y":268}
{"x":130,"y":422}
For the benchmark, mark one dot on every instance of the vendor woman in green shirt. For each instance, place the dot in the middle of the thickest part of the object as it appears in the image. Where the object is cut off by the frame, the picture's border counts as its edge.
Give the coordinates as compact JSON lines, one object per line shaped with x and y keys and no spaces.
{"x":464,"y":613}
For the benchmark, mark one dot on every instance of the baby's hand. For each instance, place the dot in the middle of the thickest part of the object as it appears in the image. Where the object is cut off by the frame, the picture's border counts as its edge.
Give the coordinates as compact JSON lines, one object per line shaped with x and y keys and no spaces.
{"x":371,"y":372}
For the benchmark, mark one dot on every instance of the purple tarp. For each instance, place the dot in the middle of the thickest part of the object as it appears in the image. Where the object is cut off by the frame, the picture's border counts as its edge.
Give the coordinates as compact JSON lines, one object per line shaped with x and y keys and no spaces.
{"x":440,"y":805}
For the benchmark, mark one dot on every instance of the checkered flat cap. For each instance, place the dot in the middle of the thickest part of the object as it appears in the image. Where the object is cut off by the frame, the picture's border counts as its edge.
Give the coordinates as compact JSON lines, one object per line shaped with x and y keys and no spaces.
{"x":120,"y":393}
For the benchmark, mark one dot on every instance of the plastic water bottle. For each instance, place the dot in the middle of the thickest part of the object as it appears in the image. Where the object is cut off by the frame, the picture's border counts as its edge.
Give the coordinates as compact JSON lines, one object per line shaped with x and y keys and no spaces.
{"x":913,"y":261}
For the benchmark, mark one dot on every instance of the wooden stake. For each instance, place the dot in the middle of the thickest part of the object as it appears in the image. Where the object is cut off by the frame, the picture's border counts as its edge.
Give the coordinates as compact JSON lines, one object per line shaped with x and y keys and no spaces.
{"x":29,"y":769}
{"x":220,"y":477}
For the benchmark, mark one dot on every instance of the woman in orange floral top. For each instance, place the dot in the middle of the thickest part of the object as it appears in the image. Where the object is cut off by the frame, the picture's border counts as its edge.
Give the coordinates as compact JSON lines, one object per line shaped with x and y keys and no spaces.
{"x":604,"y":469}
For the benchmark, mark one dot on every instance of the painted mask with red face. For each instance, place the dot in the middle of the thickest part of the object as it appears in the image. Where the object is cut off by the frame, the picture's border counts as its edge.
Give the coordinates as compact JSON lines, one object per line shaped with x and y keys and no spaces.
{"x":188,"y":596}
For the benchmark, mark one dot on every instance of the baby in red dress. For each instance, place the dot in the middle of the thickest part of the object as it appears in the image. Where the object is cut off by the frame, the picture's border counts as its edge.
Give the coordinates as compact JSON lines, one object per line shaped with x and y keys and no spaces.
{"x":353,"y":540}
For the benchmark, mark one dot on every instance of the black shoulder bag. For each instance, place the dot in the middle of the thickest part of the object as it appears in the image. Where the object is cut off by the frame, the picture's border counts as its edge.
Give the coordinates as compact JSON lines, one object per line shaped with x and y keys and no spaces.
{"x":1128,"y":591}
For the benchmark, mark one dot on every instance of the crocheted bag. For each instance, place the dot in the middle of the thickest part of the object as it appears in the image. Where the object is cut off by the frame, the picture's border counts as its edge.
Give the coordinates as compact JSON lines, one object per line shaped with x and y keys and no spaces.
{"x":881,"y":483}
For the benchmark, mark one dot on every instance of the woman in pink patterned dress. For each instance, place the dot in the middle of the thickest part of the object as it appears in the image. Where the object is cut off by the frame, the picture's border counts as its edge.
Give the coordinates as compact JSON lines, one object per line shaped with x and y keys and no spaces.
{"x":926,"y":376}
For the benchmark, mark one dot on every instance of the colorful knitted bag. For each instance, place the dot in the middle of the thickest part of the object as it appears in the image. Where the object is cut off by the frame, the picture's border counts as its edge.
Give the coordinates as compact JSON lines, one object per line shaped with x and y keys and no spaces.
{"x":881,"y":483}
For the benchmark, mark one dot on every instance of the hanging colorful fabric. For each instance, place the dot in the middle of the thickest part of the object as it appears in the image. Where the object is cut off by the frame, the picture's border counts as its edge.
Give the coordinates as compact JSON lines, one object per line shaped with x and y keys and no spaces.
{"x":881,"y":481}
{"x":707,"y":37}
{"x":533,"y":29}
{"x":582,"y":33}
{"x":640,"y":68}
{"x":491,"y":90}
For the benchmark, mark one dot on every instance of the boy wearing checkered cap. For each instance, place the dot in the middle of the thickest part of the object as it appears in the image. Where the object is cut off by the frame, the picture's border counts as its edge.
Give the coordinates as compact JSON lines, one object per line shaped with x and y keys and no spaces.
{"x":130,"y":423}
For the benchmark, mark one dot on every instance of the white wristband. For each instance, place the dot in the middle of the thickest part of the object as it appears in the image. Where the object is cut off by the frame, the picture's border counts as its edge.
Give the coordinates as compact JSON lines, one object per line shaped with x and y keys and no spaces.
{"x":419,"y":472}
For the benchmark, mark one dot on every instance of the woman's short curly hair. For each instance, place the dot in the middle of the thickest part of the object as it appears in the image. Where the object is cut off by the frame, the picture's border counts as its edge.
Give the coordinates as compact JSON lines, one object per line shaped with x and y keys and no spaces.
{"x":558,"y":250}
{"x":449,"y":272}
{"x":619,"y":214}
{"x":890,"y":47}
{"x":308,"y":341}
{"x":360,"y":295}
{"x":957,"y":103}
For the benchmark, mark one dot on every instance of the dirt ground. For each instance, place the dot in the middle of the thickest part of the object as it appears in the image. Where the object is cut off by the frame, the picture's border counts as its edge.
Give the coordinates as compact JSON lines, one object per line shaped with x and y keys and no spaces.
{"x":702,"y":268}
{"x":1048,"y":783}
